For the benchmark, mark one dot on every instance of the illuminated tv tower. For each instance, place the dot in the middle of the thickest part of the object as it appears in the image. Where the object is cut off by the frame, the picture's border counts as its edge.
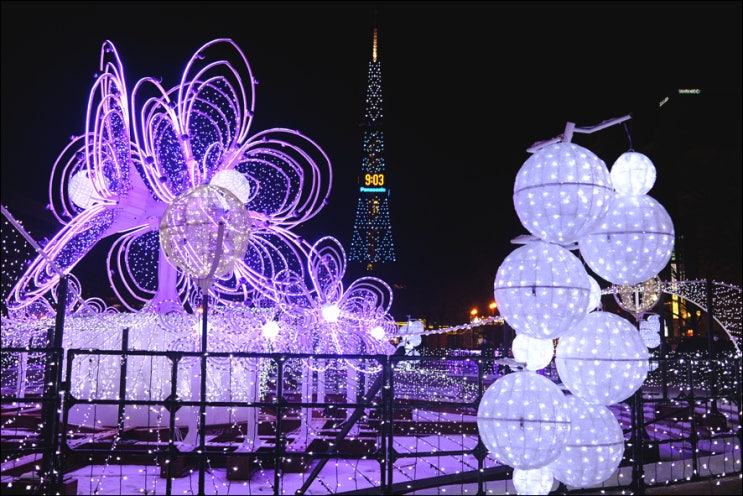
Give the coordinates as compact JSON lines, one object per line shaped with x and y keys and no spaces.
{"x":371,"y":243}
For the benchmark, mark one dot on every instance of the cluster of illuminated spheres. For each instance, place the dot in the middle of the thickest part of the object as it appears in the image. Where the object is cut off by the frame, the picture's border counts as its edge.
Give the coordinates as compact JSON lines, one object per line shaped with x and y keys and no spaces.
{"x":567,"y":198}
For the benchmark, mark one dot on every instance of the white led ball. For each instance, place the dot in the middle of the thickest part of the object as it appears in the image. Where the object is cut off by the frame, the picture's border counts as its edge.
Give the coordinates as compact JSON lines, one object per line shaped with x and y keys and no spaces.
{"x":234,"y":181}
{"x":542,"y":290}
{"x":534,"y":481}
{"x":594,"y":298}
{"x":632,"y":174}
{"x":602,"y":359}
{"x":377,"y":332}
{"x":633,"y":243}
{"x":80,"y":189}
{"x":189,"y":230}
{"x":523,"y":420}
{"x":594,"y":448}
{"x":270,"y":330}
{"x":561,"y":192}
{"x":330,"y":312}
{"x":535,"y":353}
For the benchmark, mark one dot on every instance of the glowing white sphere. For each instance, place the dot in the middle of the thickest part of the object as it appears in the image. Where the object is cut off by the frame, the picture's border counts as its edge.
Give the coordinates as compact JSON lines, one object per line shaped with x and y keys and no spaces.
{"x":594,"y":298}
{"x":542,"y":290}
{"x":641,"y":297}
{"x":533,"y":481}
{"x":561,"y":192}
{"x":330,"y":312}
{"x":270,"y":330}
{"x":80,"y":189}
{"x":189,"y":230}
{"x":523,"y":420}
{"x":536,"y":353}
{"x":602,"y":359}
{"x":377,"y":332}
{"x":632,"y":174}
{"x":234,"y":181}
{"x":633,"y":243}
{"x":594,"y":448}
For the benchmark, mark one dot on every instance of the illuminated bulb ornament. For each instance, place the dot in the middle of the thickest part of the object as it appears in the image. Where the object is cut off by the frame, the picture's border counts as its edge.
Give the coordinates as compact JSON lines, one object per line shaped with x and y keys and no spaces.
{"x":533,"y":481}
{"x":234,"y":182}
{"x":535,"y":353}
{"x":330,"y":312}
{"x":377,"y":332}
{"x":632,"y":174}
{"x":80,"y":189}
{"x":594,"y":298}
{"x":561,"y":192}
{"x":602,"y":360}
{"x":639,"y":298}
{"x":542,"y":290}
{"x":270,"y":330}
{"x":633,"y":243}
{"x":523,"y":420}
{"x":594,"y":448}
{"x":190,"y":231}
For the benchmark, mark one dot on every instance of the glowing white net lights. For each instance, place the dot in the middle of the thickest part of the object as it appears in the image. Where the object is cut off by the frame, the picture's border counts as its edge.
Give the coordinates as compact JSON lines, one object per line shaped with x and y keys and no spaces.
{"x":523,"y":420}
{"x":633,"y":243}
{"x":534,"y":481}
{"x":632,"y":174}
{"x":190,"y":231}
{"x":542,"y":290}
{"x":561,"y":192}
{"x":81,"y":189}
{"x":535,"y":353}
{"x":594,"y":447}
{"x":602,"y":359}
{"x":234,"y":182}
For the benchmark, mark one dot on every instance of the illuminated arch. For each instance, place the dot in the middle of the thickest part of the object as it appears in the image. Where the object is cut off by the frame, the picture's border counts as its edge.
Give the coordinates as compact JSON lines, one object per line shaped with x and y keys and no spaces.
{"x":726,"y":302}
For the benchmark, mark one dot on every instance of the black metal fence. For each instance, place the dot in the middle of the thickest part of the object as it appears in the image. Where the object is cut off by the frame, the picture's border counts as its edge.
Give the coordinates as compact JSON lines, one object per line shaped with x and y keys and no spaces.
{"x":404,"y":419}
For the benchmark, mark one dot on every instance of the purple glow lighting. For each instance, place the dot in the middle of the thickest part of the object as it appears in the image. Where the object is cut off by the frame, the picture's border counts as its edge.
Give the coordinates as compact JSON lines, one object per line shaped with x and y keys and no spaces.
{"x":140,"y":150}
{"x":341,"y":319}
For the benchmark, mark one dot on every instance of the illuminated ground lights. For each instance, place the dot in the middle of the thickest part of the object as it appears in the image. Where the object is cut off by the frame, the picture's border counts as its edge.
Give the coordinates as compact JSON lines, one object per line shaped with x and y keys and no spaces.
{"x":289,"y":367}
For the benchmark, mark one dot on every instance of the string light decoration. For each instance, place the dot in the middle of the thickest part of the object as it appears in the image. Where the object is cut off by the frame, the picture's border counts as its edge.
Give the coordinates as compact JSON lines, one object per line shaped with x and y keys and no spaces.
{"x":564,"y":196}
{"x":523,"y":420}
{"x":635,"y":240}
{"x":542,"y":290}
{"x":352,"y":320}
{"x":535,"y":353}
{"x":372,"y":241}
{"x":204,"y":226}
{"x":142,"y":150}
{"x":561,"y":192}
{"x":639,"y":298}
{"x":534,"y":481}
{"x":602,"y":359}
{"x":633,"y":243}
{"x":632,"y":174}
{"x":594,"y":447}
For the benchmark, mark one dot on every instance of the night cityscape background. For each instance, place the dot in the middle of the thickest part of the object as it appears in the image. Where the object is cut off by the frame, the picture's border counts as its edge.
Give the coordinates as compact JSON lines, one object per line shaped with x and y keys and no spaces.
{"x":468,"y":87}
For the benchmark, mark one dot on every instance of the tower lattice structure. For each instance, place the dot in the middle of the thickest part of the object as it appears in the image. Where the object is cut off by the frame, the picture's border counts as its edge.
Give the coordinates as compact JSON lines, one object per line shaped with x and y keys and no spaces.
{"x":372,"y":242}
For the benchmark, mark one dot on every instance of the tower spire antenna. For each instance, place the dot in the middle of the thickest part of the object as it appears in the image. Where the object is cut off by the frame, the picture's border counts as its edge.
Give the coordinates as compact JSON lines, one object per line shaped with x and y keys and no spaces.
{"x":372,"y":242}
{"x":374,"y":45}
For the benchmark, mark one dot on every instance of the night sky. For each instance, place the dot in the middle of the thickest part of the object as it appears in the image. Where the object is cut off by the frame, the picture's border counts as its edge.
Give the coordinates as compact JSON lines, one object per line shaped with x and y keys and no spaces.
{"x":467,"y":88}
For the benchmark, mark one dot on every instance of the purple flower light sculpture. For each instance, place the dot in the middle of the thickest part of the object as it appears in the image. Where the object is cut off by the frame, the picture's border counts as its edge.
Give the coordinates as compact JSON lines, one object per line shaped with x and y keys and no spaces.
{"x":139,"y":153}
{"x":355,"y":320}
